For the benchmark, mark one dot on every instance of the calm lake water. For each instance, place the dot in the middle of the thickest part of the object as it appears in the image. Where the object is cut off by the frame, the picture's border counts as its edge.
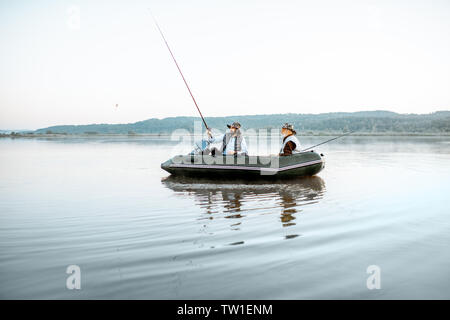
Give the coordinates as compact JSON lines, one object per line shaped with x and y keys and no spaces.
{"x":105,"y":205}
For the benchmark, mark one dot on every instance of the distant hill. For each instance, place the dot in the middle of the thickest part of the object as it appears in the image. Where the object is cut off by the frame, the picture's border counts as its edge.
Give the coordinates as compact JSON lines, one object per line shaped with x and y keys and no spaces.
{"x":364,"y":121}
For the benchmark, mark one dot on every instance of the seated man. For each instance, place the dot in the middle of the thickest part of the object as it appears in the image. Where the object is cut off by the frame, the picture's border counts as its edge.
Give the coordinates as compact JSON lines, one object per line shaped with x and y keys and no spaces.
{"x":291,"y":144}
{"x":233,"y":143}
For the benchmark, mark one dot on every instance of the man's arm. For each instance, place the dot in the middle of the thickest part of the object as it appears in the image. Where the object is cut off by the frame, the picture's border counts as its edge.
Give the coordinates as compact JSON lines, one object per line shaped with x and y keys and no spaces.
{"x":244,"y":149}
{"x":212,"y":139}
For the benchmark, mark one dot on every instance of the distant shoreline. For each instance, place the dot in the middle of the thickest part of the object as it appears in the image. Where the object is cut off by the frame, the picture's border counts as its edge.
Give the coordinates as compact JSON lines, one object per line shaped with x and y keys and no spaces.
{"x":367,"y":123}
{"x":166,"y":135}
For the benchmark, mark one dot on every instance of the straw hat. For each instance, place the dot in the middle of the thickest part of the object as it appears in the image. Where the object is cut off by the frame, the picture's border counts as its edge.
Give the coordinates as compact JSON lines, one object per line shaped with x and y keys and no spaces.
{"x":289,"y":127}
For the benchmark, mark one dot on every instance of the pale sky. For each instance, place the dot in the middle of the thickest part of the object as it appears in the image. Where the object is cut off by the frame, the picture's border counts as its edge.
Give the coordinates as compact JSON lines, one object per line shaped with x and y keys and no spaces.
{"x":240,"y":57}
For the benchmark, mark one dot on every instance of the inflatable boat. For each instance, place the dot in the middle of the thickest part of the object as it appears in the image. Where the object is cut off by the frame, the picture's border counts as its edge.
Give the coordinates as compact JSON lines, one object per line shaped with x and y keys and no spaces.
{"x":297,"y":165}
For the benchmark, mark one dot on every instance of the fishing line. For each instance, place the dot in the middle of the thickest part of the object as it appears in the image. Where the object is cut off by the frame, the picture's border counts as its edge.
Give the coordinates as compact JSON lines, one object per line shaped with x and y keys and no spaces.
{"x":178,"y":67}
{"x":343,"y":135}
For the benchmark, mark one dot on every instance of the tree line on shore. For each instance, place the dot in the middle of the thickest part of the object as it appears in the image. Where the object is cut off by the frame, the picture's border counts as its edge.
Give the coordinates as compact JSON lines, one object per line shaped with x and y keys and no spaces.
{"x":364,"y":122}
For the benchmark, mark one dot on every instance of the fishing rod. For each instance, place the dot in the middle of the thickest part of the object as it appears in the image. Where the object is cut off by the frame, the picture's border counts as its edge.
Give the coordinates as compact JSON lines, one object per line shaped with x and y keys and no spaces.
{"x":343,"y":135}
{"x":181,"y":73}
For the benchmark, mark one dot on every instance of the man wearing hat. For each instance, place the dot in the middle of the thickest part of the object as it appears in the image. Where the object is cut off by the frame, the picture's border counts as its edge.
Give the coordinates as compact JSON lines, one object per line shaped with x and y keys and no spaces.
{"x":291,"y":144}
{"x":233,"y":143}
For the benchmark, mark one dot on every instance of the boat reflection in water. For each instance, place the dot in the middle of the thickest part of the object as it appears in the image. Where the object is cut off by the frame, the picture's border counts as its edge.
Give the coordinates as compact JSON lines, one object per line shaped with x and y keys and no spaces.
{"x":236,"y":199}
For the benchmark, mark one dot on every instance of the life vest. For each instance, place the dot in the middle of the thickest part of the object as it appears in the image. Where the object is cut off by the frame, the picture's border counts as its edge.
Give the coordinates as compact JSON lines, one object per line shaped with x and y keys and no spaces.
{"x":294,"y":139}
{"x":237,"y":142}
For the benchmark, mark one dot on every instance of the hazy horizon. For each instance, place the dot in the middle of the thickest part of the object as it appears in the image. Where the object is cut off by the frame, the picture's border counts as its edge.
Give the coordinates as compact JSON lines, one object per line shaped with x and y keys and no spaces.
{"x":294,"y":118}
{"x":72,"y":62}
{"x":234,"y":115}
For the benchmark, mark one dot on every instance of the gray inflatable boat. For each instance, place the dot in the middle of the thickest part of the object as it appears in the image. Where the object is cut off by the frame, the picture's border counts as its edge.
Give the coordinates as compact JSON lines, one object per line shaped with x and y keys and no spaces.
{"x":297,"y":165}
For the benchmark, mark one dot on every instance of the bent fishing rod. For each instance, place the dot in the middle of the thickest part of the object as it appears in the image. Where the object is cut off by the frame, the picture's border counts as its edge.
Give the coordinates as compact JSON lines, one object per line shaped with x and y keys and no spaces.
{"x":181,"y":73}
{"x":343,"y":135}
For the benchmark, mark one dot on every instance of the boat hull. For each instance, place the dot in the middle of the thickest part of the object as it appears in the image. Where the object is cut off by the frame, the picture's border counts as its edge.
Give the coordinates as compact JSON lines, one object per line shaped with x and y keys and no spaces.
{"x":297,"y":165}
